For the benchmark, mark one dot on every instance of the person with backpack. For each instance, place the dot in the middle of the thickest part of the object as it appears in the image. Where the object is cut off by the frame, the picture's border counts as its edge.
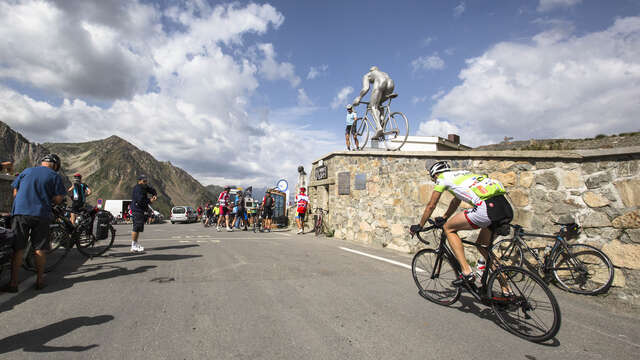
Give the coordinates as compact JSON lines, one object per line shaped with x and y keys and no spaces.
{"x":302,"y":202}
{"x":78,"y":193}
{"x":267,"y":208}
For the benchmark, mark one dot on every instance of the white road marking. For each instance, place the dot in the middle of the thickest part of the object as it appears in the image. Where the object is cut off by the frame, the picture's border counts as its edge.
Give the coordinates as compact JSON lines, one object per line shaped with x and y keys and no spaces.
{"x":184,"y":241}
{"x":376,"y":257}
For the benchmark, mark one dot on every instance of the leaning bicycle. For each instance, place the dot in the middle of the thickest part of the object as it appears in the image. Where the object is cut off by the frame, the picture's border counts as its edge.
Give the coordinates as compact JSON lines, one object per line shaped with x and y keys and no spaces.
{"x":577,"y":268}
{"x":395,"y":126}
{"x":319,"y":221}
{"x":522,"y":301}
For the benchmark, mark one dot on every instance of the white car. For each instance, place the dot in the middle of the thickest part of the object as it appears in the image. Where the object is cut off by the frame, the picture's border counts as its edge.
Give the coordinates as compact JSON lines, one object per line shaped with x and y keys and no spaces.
{"x":184,"y":214}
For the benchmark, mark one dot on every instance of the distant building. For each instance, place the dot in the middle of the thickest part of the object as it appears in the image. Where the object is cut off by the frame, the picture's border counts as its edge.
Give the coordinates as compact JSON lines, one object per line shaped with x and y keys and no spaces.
{"x":428,"y":143}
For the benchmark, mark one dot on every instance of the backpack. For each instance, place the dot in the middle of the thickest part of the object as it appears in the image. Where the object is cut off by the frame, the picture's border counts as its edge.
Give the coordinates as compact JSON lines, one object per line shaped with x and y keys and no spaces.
{"x":302,"y":206}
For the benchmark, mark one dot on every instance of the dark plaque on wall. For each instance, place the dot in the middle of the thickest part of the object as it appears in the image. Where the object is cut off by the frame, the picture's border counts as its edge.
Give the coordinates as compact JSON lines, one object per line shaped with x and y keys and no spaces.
{"x":321,"y":172}
{"x":361,"y":182}
{"x":343,"y":183}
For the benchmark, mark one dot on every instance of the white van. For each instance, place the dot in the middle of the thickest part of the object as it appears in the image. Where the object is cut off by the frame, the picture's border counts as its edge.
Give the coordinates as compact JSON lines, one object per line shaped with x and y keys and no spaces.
{"x":183,"y":214}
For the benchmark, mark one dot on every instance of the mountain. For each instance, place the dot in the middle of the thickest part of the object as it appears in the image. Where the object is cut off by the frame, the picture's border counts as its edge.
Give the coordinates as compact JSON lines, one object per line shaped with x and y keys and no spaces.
{"x":16,"y":148}
{"x":110,"y":167}
{"x":599,"y":142}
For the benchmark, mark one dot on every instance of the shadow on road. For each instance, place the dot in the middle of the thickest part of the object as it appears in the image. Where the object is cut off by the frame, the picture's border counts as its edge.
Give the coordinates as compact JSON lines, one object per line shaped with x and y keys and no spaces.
{"x":36,"y":340}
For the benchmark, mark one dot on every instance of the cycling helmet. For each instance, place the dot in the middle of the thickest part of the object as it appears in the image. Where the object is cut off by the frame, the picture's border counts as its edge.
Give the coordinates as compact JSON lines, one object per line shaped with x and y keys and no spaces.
{"x":227,"y":188}
{"x":77,"y":175}
{"x":438,"y":167}
{"x":350,"y":107}
{"x":54,"y":159}
{"x":302,"y":189}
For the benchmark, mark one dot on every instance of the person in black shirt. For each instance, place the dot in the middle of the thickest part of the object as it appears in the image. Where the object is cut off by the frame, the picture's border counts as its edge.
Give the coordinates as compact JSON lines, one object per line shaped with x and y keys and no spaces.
{"x":139,"y":208}
{"x":78,"y":192}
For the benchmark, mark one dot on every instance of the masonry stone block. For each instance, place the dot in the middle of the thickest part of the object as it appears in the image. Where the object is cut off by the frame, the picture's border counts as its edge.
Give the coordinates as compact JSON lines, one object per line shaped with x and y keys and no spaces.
{"x":507,"y":179}
{"x":594,"y":200}
{"x":630,"y":220}
{"x":519,"y":197}
{"x":547,"y":179}
{"x":623,"y":255}
{"x":594,"y":219}
{"x":572,"y":179}
{"x":597,"y":180}
{"x":629,"y":191}
{"x":526,"y":179}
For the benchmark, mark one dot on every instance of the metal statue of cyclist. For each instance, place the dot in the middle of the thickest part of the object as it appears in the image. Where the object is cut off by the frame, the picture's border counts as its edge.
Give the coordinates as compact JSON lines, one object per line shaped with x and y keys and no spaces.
{"x":382,"y":87}
{"x":490,"y":211}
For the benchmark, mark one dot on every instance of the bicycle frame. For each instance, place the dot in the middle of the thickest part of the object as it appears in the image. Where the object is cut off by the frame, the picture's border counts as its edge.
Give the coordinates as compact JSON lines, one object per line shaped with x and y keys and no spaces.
{"x":545,"y":263}
{"x":384,"y":116}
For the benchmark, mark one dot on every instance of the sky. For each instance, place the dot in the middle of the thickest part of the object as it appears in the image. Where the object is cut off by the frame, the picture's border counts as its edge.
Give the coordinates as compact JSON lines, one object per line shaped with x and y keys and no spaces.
{"x":244,"y":92}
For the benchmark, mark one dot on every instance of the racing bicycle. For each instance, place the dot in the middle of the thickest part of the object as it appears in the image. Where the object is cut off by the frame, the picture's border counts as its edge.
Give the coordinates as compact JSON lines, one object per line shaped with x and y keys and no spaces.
{"x":577,"y":268}
{"x":395,"y":126}
{"x":522,"y":301}
{"x":319,"y":218}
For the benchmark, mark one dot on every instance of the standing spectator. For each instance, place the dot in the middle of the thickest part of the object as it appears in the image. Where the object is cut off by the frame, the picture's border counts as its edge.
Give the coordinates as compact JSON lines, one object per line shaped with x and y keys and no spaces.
{"x":351,"y":128}
{"x":223,"y":199}
{"x":78,"y":192}
{"x":267,"y":208}
{"x":34,"y":191}
{"x":139,"y":208}
{"x":199,"y":210}
{"x":241,"y":214}
{"x":302,"y":202}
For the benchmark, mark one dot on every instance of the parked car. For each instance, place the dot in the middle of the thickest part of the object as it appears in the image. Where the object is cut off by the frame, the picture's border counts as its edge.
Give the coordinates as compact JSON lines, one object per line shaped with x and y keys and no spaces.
{"x":184,"y":214}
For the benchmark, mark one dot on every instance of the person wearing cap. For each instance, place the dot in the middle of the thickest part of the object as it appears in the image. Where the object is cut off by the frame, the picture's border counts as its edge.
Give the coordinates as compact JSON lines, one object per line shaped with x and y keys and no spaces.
{"x":35,"y":190}
{"x":302,"y":203}
{"x":351,"y":128}
{"x":78,"y":193}
{"x":139,"y":208}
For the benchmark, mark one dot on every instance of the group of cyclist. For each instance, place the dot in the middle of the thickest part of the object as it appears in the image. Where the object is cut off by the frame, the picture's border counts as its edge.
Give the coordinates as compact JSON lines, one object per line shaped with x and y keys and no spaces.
{"x":235,"y":214}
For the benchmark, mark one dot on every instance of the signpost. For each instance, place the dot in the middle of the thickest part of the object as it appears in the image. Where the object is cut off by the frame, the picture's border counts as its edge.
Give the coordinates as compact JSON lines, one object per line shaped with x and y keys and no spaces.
{"x":99,"y":203}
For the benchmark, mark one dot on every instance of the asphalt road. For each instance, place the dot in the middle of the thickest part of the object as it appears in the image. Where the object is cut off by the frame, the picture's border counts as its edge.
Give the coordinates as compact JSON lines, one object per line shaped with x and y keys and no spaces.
{"x":201,"y":294}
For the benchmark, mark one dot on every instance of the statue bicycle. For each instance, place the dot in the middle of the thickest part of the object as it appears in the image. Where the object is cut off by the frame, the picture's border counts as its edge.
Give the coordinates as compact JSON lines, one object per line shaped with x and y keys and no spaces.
{"x":395,"y":126}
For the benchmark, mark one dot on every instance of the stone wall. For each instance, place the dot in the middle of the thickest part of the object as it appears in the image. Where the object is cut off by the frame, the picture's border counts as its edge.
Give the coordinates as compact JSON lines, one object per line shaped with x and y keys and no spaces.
{"x":599,"y":188}
{"x":6,"y":193}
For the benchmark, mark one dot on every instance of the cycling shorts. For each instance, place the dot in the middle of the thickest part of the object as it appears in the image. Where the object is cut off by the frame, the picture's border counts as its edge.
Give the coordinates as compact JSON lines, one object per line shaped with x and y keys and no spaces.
{"x":224,"y":210}
{"x":489,"y":212}
{"x":350,"y":130}
{"x":268,"y":213}
{"x":300,"y":215}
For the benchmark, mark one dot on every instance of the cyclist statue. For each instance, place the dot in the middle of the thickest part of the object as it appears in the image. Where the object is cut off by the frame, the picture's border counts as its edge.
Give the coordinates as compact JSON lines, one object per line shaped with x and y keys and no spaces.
{"x":382,"y":88}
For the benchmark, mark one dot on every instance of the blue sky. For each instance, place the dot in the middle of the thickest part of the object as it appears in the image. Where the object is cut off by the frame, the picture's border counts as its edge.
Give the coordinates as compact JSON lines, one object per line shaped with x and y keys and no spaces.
{"x":244,"y":92}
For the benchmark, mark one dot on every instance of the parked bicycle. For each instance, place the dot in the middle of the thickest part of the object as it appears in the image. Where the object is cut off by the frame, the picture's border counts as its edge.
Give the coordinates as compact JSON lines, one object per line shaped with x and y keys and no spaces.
{"x":319,"y":221}
{"x":395,"y":126}
{"x":577,"y":268}
{"x":523,"y":303}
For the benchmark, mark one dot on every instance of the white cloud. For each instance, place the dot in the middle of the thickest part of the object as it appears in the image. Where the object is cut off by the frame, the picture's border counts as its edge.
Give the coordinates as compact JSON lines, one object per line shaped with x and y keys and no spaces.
{"x":428,"y":40}
{"x":458,"y":10}
{"x":314,"y":71}
{"x":546,"y":5}
{"x":431,"y":62}
{"x":435,"y":127}
{"x":551,"y":87}
{"x":203,"y":71}
{"x":341,"y":98}
{"x":419,"y":99}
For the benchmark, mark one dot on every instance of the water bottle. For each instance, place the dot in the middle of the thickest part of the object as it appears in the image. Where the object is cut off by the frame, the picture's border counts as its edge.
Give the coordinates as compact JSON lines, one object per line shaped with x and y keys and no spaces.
{"x":547,"y":250}
{"x":480,"y":266}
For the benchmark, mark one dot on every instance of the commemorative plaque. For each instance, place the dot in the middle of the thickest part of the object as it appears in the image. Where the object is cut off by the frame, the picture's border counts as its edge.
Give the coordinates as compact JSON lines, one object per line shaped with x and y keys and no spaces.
{"x":344,"y":185}
{"x":361,"y":182}
{"x":321,"y":172}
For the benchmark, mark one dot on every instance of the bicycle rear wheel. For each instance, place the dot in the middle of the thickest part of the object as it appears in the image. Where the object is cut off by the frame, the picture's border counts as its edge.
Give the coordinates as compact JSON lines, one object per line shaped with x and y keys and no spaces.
{"x":89,"y":246}
{"x":530,"y":311}
{"x":433,"y":274}
{"x":586,"y":270}
{"x":361,"y":132}
{"x":396,"y":131}
{"x":59,"y":246}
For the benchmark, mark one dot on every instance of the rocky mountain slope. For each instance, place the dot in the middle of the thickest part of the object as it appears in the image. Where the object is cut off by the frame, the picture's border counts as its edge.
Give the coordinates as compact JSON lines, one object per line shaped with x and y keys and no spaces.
{"x":16,"y":148}
{"x":110,"y":167}
{"x":598,"y":142}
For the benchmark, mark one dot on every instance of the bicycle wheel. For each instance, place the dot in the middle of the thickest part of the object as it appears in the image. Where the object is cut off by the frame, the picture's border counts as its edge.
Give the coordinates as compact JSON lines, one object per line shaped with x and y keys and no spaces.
{"x":530,"y":311}
{"x":59,"y":242}
{"x":508,"y":252}
{"x":433,"y":274}
{"x":361,"y":132}
{"x":88,"y":245}
{"x":318,"y":227}
{"x":586,"y":270}
{"x":396,"y":130}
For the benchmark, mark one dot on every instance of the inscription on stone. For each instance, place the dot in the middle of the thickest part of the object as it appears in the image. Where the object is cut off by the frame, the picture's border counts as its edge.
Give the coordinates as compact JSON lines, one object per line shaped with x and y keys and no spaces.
{"x":361,"y":182}
{"x":344,"y":186}
{"x":321,"y":172}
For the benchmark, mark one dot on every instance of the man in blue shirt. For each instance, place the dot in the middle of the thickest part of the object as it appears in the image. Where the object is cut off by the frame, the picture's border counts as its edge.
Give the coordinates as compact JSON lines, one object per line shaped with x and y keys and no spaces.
{"x":139,"y":209}
{"x":351,"y":128}
{"x":34,"y":192}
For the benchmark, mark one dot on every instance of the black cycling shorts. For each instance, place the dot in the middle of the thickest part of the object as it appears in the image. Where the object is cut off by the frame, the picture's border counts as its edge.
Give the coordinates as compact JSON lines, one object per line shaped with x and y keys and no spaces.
{"x":350,"y":130}
{"x":268,"y":213}
{"x":30,"y":229}
{"x":499,"y":210}
{"x":139,"y":219}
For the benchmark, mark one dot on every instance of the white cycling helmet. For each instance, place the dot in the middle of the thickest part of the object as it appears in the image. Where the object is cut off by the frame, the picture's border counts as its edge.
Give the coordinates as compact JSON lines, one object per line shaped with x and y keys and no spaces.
{"x":438,"y":167}
{"x":349,"y":107}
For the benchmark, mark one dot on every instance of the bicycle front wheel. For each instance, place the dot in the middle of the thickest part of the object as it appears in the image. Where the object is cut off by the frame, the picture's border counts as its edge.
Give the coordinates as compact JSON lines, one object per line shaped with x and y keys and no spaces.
{"x":524,"y":304}
{"x":508,"y":252}
{"x":433,"y":274}
{"x":318,"y":227}
{"x":585,"y":270}
{"x":89,"y":246}
{"x":396,"y":131}
{"x":361,"y":133}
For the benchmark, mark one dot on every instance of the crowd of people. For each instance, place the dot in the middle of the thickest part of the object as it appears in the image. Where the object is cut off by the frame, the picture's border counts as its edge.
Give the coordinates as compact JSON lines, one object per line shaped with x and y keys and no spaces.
{"x":239,"y":213}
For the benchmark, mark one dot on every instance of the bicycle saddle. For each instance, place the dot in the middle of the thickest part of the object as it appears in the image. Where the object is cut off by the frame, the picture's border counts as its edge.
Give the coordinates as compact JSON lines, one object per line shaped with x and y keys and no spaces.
{"x":392,"y":96}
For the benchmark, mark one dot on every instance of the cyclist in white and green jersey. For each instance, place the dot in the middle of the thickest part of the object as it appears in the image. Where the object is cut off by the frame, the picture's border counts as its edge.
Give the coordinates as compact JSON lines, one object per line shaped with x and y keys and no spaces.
{"x":490,"y":209}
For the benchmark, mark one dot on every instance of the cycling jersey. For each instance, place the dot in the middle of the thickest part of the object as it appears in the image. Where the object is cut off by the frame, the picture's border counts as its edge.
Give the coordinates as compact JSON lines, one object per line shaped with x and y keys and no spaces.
{"x":468,"y":187}
{"x":223,"y":199}
{"x":302,"y":201}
